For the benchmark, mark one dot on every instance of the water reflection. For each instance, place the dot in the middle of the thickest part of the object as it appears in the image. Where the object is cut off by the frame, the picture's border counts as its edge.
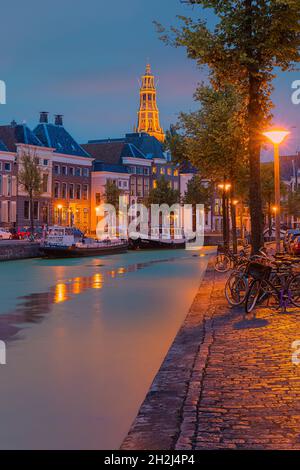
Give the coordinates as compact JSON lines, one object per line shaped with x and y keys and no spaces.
{"x":33,"y":307}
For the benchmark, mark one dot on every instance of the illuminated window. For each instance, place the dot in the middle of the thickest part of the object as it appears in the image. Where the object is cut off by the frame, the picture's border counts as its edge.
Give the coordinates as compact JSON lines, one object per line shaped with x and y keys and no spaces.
{"x":162,"y":171}
{"x":154,"y":184}
{"x":175,"y":172}
{"x":169,"y":171}
{"x":154,"y":170}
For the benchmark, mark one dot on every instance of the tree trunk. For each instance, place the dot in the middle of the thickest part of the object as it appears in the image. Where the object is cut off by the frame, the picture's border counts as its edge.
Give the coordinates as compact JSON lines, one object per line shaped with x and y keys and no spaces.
{"x":255,"y":118}
{"x":254,"y":166}
{"x":224,"y":213}
{"x":233,"y":222}
{"x":31,"y":214}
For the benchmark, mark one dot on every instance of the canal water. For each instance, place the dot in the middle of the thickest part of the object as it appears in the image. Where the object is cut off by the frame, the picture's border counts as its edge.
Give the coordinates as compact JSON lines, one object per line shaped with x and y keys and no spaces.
{"x":84,"y":339}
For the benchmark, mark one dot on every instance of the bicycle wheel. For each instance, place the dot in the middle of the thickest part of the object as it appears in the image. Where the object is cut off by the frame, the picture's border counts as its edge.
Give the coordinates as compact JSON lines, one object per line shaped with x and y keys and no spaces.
{"x":294,"y":290}
{"x":252,"y":296}
{"x":236,"y":289}
{"x":223,"y":263}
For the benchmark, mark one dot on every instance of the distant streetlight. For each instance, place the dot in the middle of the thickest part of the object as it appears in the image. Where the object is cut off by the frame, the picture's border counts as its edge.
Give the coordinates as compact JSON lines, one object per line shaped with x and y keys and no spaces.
{"x":277,"y":137}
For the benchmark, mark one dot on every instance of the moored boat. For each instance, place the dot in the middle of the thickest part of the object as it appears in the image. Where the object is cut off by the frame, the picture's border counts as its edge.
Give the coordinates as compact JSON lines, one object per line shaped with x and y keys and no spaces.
{"x":156,"y":244}
{"x":61,"y":242}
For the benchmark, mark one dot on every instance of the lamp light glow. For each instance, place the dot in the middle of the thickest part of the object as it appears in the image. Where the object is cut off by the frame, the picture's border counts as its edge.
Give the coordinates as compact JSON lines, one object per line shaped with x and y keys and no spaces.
{"x":276,"y":136}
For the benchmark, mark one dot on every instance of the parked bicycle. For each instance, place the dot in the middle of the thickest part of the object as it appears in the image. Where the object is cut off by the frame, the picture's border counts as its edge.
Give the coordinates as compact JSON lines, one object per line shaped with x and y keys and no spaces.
{"x":226,"y":260}
{"x":276,"y":285}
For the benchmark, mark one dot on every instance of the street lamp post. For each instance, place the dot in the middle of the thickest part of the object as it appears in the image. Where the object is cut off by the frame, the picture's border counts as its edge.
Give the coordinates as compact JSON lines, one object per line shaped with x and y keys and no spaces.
{"x":277,"y":137}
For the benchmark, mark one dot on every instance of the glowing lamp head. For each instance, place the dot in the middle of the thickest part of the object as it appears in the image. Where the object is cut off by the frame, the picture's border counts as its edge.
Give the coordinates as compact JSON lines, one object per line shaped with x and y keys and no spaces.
{"x":59,"y":206}
{"x":235,"y":202}
{"x":274,"y":209}
{"x":276,"y":136}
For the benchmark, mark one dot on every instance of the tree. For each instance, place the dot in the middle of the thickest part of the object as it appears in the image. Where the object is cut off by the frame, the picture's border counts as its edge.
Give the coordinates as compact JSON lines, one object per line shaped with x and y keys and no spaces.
{"x":112,"y":194}
{"x":249,"y":39}
{"x":163,"y":194}
{"x":214,"y":141}
{"x":198,"y":192}
{"x":30,"y":178}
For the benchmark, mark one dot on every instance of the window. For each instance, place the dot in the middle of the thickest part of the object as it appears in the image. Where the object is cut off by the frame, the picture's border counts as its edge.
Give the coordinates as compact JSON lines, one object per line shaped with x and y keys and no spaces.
{"x":78,"y":191}
{"x":35,"y":210}
{"x":162,"y":171}
{"x":45,"y":183}
{"x":146,"y":171}
{"x":140,"y":186}
{"x":71,"y":171}
{"x":64,"y":190}
{"x":8,"y":185}
{"x":132,"y":169}
{"x":85,"y":172}
{"x":176,"y":186}
{"x":97,"y":196}
{"x":0,"y":166}
{"x":56,"y":170}
{"x":85,"y":190}
{"x":45,"y":162}
{"x":146,"y":187}
{"x":78,"y":172}
{"x":139,"y":171}
{"x":154,"y":184}
{"x":7,"y":166}
{"x":64,"y":170}
{"x":26,"y":210}
{"x":154,"y":170}
{"x":169,"y":171}
{"x":133,"y":186}
{"x":175,"y":172}
{"x":56,"y":190}
{"x":71,"y":191}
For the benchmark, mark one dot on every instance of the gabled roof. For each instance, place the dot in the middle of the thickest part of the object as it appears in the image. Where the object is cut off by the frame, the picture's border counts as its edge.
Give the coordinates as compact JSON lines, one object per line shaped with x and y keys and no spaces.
{"x":100,"y":166}
{"x":112,"y":152}
{"x":147,"y":144}
{"x":57,"y":137}
{"x":10,"y":135}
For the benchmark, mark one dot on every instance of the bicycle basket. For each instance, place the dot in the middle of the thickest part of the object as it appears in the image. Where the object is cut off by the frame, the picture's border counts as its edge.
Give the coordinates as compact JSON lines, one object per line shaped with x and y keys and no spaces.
{"x":221,"y":249}
{"x":259,"y":271}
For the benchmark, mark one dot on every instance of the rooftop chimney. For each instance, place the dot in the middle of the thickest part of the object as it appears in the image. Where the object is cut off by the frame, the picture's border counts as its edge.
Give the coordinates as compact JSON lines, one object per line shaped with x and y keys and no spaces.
{"x":44,"y":116}
{"x":58,"y":119}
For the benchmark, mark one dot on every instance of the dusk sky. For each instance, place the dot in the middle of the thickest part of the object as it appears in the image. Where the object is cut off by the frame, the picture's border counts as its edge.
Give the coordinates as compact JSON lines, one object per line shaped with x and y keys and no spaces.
{"x":83,"y":59}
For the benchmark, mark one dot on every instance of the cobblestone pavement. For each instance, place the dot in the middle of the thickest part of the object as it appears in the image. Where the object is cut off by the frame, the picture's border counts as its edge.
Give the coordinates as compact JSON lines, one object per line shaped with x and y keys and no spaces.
{"x":226,"y":383}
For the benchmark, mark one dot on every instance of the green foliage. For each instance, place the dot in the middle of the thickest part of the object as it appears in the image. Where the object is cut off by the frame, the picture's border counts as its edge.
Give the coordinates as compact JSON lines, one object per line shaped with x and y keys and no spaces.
{"x":214,"y":136}
{"x":30,"y":175}
{"x":30,"y":178}
{"x":198,"y":192}
{"x":175,"y":143}
{"x":163,"y":194}
{"x":112,"y":193}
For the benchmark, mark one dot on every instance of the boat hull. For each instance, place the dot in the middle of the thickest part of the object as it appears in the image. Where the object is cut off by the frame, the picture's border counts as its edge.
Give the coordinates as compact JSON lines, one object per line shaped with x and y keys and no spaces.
{"x":75,"y":252}
{"x":145,"y":244}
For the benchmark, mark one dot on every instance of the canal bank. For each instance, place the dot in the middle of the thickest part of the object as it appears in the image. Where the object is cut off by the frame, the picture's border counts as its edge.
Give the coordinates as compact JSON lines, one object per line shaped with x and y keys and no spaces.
{"x":18,"y":249}
{"x":226,"y":382}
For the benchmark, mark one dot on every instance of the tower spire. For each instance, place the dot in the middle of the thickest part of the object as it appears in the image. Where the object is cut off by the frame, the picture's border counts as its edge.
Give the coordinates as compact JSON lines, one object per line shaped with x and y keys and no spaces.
{"x":148,"y":114}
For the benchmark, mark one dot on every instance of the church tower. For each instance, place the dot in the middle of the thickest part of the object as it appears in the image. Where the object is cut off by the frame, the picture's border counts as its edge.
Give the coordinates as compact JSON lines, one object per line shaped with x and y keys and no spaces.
{"x":148,"y":114}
